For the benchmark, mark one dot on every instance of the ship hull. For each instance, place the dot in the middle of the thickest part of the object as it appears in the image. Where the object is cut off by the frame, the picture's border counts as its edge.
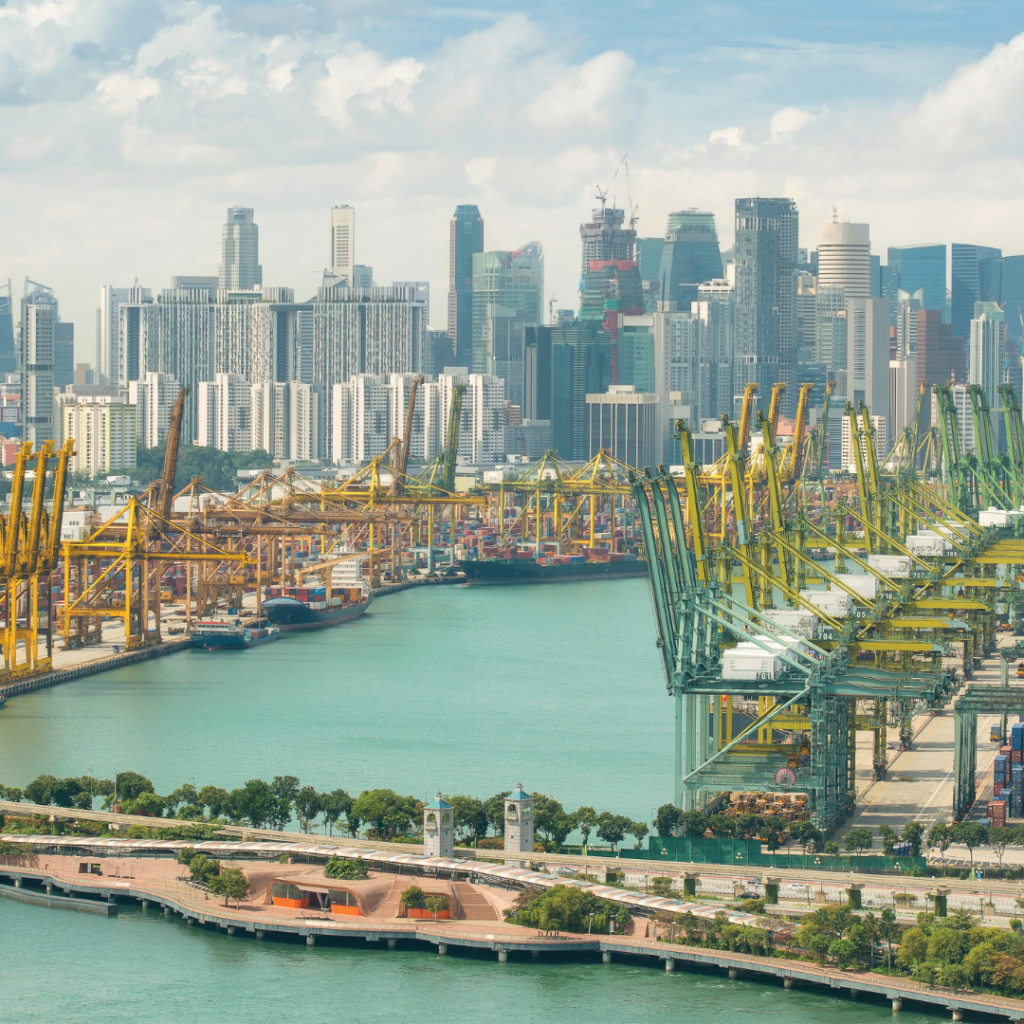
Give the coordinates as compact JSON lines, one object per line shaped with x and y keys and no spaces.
{"x":290,"y":615}
{"x":525,"y":570}
{"x":233,"y":641}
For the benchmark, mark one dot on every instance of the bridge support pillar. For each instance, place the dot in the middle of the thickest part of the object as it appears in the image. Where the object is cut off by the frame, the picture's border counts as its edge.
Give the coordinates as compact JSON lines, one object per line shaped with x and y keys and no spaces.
{"x":231,"y":929}
{"x":941,"y":897}
{"x":958,"y":1014}
{"x":49,"y":889}
{"x":733,"y":974}
{"x":535,"y":953}
{"x":787,"y":982}
{"x":854,"y":993}
{"x":260,"y":935}
{"x":190,"y":921}
{"x":442,"y":949}
{"x":310,"y":940}
{"x":167,"y":911}
{"x":897,"y":1004}
{"x":502,"y":956}
{"x":17,"y":883}
{"x":854,"y":899}
{"x":606,"y":957}
{"x":145,"y":904}
{"x":670,"y":964}
{"x":690,"y":882}
{"x":392,"y":943}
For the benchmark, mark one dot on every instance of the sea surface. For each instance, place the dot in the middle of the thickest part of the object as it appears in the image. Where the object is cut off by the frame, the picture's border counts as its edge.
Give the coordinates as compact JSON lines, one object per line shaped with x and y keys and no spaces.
{"x":466,"y":690}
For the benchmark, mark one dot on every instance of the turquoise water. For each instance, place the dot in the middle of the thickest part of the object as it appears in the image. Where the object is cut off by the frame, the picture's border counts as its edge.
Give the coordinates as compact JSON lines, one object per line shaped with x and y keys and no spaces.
{"x":462,"y":689}
{"x":78,"y":968}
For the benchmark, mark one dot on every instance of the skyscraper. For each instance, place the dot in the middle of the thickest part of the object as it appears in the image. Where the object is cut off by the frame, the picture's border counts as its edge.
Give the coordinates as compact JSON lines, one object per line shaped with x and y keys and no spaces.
{"x":921,"y":268}
{"x":240,"y":267}
{"x":966,"y":263}
{"x":38,"y":322}
{"x":844,"y":258}
{"x":690,"y":257}
{"x":867,"y":354}
{"x":605,"y":238}
{"x":8,"y":355}
{"x":766,"y":274}
{"x":986,"y":354}
{"x":343,"y":242}
{"x":508,"y":296}
{"x":940,"y":356}
{"x":467,"y":238}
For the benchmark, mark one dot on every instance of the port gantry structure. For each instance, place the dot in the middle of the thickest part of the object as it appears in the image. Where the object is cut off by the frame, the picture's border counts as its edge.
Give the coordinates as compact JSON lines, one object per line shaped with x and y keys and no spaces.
{"x":878,"y":666}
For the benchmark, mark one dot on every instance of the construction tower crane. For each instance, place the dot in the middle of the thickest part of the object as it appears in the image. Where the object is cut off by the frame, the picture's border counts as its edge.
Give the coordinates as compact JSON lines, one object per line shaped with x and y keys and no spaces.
{"x":163,"y":489}
{"x":402,"y":456}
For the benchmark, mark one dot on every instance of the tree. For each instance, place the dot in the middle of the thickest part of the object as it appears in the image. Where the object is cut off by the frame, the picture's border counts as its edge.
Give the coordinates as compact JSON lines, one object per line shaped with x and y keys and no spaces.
{"x":231,"y":883}
{"x":202,"y":869}
{"x":999,"y":839}
{"x":342,"y":867}
{"x":468,"y":818}
{"x":185,"y":797}
{"x":747,"y":825}
{"x":667,"y":820}
{"x":842,"y":951}
{"x":255,"y":801}
{"x":940,"y":837}
{"x":9,"y":849}
{"x":819,"y":944}
{"x":550,"y":819}
{"x":333,"y":805}
{"x":12,"y":793}
{"x":890,"y":837}
{"x":888,"y":929}
{"x":387,"y":813}
{"x":638,"y":830}
{"x":494,"y":808}
{"x":612,"y":828}
{"x":971,"y":834}
{"x":69,"y":793}
{"x":859,"y":839}
{"x":435,"y":904}
{"x":38,"y":790}
{"x":285,"y":789}
{"x":585,"y":821}
{"x":307,"y":807}
{"x":913,"y":833}
{"x":723,"y":825}
{"x":412,"y":898}
{"x":694,"y":824}
{"x":772,"y":827}
{"x":131,"y":785}
{"x":218,"y":800}
{"x":808,"y":835}
{"x":149,"y":804}
{"x":186,"y":855}
{"x":832,"y":850}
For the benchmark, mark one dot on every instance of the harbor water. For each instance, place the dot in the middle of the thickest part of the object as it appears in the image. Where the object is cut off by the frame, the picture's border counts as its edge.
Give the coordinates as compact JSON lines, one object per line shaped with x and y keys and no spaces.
{"x":467,"y":690}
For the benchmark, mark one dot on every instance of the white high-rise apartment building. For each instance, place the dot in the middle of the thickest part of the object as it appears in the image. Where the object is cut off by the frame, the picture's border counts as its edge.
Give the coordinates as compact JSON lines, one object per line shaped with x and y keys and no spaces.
{"x":426,"y":438}
{"x":867,"y":354}
{"x":269,"y":405}
{"x":240,"y":251}
{"x":881,"y":441}
{"x":343,"y":242}
{"x":986,"y":355}
{"x":370,"y":434}
{"x":962,"y":404}
{"x":38,"y":322}
{"x":488,"y":417}
{"x":105,"y":432}
{"x":902,"y":394}
{"x":445,"y":390}
{"x":108,"y":327}
{"x":844,"y":258}
{"x":225,"y":413}
{"x":154,"y":397}
{"x":304,"y":422}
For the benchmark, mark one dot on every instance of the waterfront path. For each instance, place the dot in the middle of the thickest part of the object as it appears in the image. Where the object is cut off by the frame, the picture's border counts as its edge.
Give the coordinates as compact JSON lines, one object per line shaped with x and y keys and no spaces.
{"x":156,"y":890}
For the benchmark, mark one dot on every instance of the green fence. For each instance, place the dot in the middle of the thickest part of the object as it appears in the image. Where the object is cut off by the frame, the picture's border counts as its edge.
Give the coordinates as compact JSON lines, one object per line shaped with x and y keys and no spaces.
{"x":748,"y":853}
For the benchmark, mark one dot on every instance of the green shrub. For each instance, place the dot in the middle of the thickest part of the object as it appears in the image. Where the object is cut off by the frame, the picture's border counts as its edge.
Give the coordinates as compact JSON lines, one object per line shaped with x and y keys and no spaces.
{"x":341,"y":867}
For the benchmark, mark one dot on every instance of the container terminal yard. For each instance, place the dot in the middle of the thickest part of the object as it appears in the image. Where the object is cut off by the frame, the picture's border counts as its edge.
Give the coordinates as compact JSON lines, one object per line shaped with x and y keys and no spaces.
{"x":841,"y":648}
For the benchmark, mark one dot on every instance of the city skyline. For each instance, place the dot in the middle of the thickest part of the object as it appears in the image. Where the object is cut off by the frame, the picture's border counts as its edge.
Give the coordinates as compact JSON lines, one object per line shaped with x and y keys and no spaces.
{"x":371,"y":123}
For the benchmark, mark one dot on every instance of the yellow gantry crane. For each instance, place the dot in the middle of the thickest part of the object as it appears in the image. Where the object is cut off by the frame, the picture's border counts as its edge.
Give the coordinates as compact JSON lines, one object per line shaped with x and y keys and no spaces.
{"x":30,"y":545}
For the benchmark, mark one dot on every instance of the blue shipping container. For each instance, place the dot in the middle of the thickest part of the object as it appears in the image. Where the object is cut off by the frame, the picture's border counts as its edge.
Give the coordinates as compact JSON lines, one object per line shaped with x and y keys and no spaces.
{"x":1016,"y":735}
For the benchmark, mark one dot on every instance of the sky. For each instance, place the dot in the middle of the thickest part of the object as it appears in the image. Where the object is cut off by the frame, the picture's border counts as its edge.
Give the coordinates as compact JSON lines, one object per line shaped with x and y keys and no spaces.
{"x":127,"y":127}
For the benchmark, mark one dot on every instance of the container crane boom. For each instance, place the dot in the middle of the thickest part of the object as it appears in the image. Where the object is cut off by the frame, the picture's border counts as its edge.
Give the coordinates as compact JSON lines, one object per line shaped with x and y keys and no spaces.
{"x":165,"y":489}
{"x":743,"y":438}
{"x":451,"y":449}
{"x":398,"y":470}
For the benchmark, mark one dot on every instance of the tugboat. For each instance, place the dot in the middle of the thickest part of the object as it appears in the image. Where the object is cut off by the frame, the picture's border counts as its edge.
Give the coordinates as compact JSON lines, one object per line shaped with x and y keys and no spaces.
{"x":231,"y":635}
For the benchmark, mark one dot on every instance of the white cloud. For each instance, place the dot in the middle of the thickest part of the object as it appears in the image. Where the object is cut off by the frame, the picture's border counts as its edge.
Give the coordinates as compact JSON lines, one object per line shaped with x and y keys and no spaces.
{"x":170,"y":111}
{"x":373,"y":84}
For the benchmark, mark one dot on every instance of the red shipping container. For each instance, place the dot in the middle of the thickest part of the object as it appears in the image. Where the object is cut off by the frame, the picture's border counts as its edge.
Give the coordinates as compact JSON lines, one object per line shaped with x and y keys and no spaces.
{"x":1015,"y":756}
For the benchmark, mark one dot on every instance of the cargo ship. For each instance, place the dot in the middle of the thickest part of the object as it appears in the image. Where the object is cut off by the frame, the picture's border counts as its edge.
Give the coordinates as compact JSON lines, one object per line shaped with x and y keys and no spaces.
{"x":311,"y":607}
{"x":231,"y":635}
{"x":556,"y":569}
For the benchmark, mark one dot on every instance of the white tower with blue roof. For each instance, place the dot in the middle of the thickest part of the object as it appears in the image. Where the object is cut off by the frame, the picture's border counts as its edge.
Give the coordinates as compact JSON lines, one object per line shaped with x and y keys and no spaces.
{"x":438,"y":828}
{"x":519,"y":821}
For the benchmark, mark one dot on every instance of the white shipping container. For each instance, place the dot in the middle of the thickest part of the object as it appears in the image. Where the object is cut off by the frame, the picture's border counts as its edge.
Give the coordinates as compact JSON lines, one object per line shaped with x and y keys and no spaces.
{"x":803,"y":623}
{"x":993,"y":517}
{"x":894,"y":566}
{"x":864,"y":585}
{"x":747,"y":661}
{"x":930,"y":547}
{"x":110,"y":512}
{"x":73,"y":533}
{"x":832,"y":602}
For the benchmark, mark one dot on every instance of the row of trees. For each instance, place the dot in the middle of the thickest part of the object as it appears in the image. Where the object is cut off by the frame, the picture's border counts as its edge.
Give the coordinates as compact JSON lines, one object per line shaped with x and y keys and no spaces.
{"x":566,"y":908}
{"x":956,"y":952}
{"x":230,"y":883}
{"x":386,"y":815}
{"x":770,"y":829}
